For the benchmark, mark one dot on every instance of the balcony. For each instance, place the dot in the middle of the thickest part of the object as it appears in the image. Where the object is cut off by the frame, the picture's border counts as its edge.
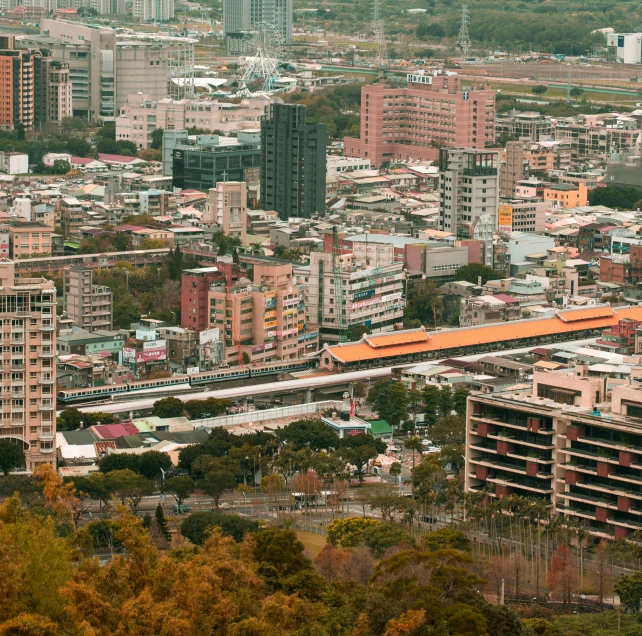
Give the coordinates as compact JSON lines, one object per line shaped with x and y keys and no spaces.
{"x":46,"y":327}
{"x":46,"y":435}
{"x":23,"y":313}
{"x":46,"y":353}
{"x":18,"y":392}
{"x":46,"y":405}
{"x":47,"y":450}
{"x":18,"y":365}
{"x":46,"y":379}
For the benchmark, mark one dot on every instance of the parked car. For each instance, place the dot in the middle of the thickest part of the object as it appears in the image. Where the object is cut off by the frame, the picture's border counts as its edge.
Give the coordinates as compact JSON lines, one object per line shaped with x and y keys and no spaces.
{"x":182,"y":509}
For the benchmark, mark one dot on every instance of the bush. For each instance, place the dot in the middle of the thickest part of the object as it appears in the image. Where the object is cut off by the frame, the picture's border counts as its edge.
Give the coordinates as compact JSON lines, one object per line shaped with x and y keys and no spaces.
{"x":198,"y":526}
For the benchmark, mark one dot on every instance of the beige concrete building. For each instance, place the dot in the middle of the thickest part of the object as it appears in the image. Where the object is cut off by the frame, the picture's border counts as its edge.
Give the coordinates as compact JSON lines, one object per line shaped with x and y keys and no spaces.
{"x":28,"y":310}
{"x":104,"y":71}
{"x":57,"y":97}
{"x":573,"y":440}
{"x":372,"y":293}
{"x":29,"y":239}
{"x":227,"y":206}
{"x":140,"y":114}
{"x":88,"y":305}
{"x":153,"y":10}
{"x":259,"y":322}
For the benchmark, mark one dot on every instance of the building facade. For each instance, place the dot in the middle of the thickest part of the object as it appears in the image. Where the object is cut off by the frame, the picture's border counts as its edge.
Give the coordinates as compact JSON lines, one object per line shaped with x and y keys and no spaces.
{"x":293,"y":169}
{"x":241,"y":16}
{"x":469,"y":195}
{"x":153,"y":10}
{"x":89,"y":306}
{"x":140,"y":115}
{"x":28,"y":311}
{"x":567,"y":442}
{"x":369,"y":293}
{"x":523,"y":126}
{"x":411,"y":123}
{"x":200,"y":163}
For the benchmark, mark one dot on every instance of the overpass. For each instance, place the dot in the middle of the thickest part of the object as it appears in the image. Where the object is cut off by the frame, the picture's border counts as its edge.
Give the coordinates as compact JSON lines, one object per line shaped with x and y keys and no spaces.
{"x":306,"y":385}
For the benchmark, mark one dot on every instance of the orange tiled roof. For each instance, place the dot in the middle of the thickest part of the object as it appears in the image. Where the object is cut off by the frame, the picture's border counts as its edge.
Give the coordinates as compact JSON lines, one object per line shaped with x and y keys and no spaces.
{"x":586,"y":314}
{"x":486,"y":335}
{"x":391,"y":339}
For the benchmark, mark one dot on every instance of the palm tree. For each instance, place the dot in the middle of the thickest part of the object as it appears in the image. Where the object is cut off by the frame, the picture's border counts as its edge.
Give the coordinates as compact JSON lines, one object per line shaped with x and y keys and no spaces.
{"x":414,"y":444}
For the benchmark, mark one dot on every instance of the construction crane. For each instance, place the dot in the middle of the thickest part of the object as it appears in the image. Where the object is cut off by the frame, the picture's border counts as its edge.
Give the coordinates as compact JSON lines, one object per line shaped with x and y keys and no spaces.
{"x":339,"y":295}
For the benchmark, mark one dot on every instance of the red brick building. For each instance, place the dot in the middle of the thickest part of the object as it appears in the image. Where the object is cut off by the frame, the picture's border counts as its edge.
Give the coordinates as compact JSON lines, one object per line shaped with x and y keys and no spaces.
{"x":619,"y":338}
{"x":616,"y":269}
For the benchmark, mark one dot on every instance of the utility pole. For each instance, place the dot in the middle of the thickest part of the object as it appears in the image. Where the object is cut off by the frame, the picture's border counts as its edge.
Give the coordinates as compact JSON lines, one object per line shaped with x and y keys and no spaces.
{"x":463,"y":39}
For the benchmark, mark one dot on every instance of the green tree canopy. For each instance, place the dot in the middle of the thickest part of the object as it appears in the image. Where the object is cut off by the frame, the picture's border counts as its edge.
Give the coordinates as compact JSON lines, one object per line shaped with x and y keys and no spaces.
{"x":199,"y":524}
{"x":311,"y":434}
{"x":181,"y":487}
{"x":169,"y":407}
{"x":153,"y":463}
{"x":11,"y":456}
{"x":614,"y":196}
{"x":390,"y":401}
{"x":474,"y":271}
{"x":280,"y":549}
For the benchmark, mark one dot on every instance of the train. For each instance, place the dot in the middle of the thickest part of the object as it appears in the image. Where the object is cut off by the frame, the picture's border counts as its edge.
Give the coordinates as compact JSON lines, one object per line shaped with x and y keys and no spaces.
{"x":96,"y":393}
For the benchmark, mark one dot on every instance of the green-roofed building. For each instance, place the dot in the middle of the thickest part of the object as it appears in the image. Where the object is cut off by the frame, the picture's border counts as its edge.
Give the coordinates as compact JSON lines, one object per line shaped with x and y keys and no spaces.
{"x":380,"y":429}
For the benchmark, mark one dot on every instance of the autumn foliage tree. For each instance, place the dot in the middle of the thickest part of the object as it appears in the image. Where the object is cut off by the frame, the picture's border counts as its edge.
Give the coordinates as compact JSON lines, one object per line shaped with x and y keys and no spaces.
{"x":562,"y":578}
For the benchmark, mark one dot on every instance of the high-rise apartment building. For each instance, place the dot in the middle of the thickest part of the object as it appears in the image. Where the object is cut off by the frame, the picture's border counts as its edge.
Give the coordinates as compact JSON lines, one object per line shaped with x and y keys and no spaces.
{"x":293,"y":162}
{"x":28,"y":314}
{"x":240,"y":16}
{"x":260,"y":322}
{"x":104,"y":72}
{"x":514,"y":169}
{"x":572,"y":441}
{"x":469,"y":195}
{"x":153,"y":10}
{"x":88,"y":305}
{"x":412,"y":123}
{"x":17,"y":97}
{"x":371,"y":291}
{"x":35,"y":88}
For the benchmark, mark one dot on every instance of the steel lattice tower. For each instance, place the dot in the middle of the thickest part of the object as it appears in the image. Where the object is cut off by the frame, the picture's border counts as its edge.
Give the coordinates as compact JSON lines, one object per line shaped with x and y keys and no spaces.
{"x":463,"y":39}
{"x":380,"y":36}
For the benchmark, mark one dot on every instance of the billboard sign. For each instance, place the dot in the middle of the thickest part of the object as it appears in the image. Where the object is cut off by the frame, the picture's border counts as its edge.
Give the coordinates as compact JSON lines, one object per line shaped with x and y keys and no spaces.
{"x":505,"y":218}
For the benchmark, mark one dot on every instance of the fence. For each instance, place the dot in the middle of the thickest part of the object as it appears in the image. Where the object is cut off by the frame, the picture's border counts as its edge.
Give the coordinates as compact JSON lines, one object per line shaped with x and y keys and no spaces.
{"x":267,"y":415}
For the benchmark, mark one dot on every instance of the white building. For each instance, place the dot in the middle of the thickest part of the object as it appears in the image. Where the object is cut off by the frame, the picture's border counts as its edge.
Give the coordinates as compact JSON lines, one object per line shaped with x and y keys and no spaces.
{"x":14,"y":163}
{"x":153,"y":10}
{"x":335,"y":164}
{"x":625,"y":48}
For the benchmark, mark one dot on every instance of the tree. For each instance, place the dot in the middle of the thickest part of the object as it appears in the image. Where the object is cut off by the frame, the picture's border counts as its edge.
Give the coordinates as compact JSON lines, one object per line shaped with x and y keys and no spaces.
{"x":445,"y":538}
{"x":71,"y":419}
{"x":87,"y":12}
{"x":424,"y":303}
{"x":576,"y":92}
{"x":281,"y":549}
{"x":152,"y":464}
{"x":358,"y":450}
{"x":474,"y":271}
{"x":168,"y":407}
{"x":107,"y":146}
{"x":60,"y":166}
{"x":157,"y":139}
{"x":311,"y":434}
{"x":629,"y":589}
{"x":389,"y":400}
{"x":161,"y":522}
{"x":379,"y":538}
{"x":414,"y":444}
{"x":11,"y":456}
{"x":181,"y":487}
{"x":445,"y":401}
{"x":199,"y":525}
{"x":119,"y":461}
{"x":562,"y":578}
{"x":614,"y":196}
{"x":348,"y":532}
{"x":25,"y":486}
{"x":216,"y":482}
{"x":460,"y":398}
{"x":129,"y":487}
{"x":449,"y":430}
{"x":355,"y":332}
{"x":125,"y":312}
{"x":78,"y":147}
{"x":540,"y":89}
{"x":431,"y":403}
{"x":395,"y":470}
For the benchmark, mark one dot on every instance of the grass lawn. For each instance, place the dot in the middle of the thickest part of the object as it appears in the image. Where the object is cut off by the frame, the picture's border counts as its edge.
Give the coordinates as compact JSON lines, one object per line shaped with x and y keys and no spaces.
{"x":313,"y":542}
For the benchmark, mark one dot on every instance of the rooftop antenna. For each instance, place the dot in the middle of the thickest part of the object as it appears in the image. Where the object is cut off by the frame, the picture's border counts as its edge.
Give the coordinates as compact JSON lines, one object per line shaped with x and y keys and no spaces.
{"x":380,"y":36}
{"x":463,"y":39}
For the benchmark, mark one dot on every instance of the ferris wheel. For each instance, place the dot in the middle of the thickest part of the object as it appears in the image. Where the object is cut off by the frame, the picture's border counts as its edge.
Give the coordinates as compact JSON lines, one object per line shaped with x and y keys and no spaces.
{"x":263,"y":48}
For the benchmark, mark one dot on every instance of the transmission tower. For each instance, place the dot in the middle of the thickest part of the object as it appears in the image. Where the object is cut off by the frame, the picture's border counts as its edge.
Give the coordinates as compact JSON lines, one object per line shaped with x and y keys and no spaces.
{"x":463,"y":39}
{"x":380,"y":36}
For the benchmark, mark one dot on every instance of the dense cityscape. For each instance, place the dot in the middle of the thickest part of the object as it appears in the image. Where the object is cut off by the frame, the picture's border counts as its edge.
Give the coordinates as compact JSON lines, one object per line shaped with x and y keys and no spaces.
{"x":320,"y":318}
